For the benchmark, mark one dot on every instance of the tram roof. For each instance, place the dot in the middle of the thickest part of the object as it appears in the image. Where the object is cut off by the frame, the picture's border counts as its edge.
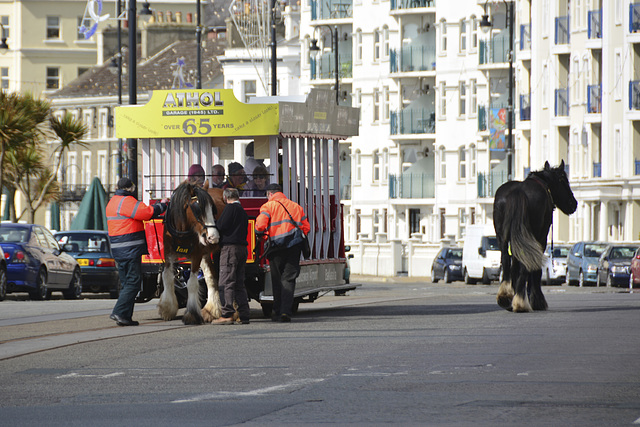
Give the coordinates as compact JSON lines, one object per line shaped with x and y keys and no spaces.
{"x":180,"y":113}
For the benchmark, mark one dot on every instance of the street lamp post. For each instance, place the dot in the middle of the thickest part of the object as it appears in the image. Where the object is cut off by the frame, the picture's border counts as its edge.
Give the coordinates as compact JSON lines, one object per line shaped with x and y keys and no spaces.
{"x":334,"y":48}
{"x":485,"y":24}
{"x":199,"y":47}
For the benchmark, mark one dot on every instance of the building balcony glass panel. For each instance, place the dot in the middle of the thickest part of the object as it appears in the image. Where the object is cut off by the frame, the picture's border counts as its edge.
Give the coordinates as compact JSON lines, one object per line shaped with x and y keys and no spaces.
{"x":597,"y":170}
{"x":594,"y":99}
{"x":412,"y":186}
{"x":331,"y":9}
{"x":482,"y":117}
{"x":562,"y":102}
{"x":634,"y":17}
{"x":525,"y":36}
{"x":489,"y":182}
{"x":413,"y":58}
{"x":323,"y":66}
{"x":411,"y":4}
{"x":634,"y":95}
{"x":411,"y":121}
{"x":525,"y":107}
{"x":595,"y":24}
{"x":494,"y":50}
{"x":562,"y":30}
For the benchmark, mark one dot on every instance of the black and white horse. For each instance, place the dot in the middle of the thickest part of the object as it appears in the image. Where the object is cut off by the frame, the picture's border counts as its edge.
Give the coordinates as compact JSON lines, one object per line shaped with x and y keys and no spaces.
{"x":522,"y":215}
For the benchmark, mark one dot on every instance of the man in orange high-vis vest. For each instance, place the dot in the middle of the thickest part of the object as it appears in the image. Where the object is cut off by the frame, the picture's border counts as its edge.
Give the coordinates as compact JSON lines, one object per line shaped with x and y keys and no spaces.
{"x":286,"y":247}
{"x":125,"y":216}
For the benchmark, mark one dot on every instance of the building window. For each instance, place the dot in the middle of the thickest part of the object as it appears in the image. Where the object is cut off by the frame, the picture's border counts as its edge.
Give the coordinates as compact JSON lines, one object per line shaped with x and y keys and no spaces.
{"x":103,"y":124}
{"x":86,"y":168}
{"x":53,"y":78}
{"x":545,"y":86}
{"x":462,"y":164}
{"x":102,"y":166}
{"x":5,"y":26}
{"x":4,"y":78}
{"x":82,"y":70}
{"x":357,"y":215}
{"x":472,"y":216}
{"x":87,"y":119}
{"x":443,"y":37}
{"x":376,"y":166}
{"x":53,"y":28}
{"x":375,"y":220}
{"x":385,"y":40}
{"x":376,"y":105}
{"x":376,"y":45}
{"x":443,"y":222}
{"x":575,"y":74}
{"x":462,"y":99}
{"x":359,"y":45}
{"x":357,"y":100}
{"x":358,"y":166}
{"x":474,"y":33}
{"x":249,"y":89}
{"x":72,"y":169}
{"x":229,"y":84}
{"x":385,"y":165}
{"x":385,"y":103}
{"x":472,"y":162}
{"x":462,"y":221}
{"x":443,"y":101}
{"x":463,"y":36}
{"x":618,"y":72}
{"x":443,"y":163}
{"x":473,"y":97}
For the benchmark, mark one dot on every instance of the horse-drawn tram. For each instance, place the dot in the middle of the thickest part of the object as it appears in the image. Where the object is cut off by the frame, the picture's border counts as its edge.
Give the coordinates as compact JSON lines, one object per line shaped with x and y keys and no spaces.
{"x":299,"y":140}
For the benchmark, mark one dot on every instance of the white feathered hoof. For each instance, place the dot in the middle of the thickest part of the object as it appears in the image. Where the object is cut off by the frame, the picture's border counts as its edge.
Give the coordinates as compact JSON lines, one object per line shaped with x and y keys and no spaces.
{"x":167,"y":309}
{"x":211,"y":312}
{"x":505,"y":295}
{"x":521,"y":305}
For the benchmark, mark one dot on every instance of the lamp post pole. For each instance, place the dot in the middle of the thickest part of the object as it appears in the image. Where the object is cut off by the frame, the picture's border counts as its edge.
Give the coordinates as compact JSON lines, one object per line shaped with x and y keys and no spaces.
{"x":132,"y":149}
{"x":334,"y":47}
{"x":199,"y":47}
{"x":119,"y":56}
{"x":510,"y":149}
{"x":274,"y":51}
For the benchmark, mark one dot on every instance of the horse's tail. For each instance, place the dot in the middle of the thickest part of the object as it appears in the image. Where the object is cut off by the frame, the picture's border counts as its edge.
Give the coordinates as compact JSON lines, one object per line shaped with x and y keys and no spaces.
{"x":524,"y":246}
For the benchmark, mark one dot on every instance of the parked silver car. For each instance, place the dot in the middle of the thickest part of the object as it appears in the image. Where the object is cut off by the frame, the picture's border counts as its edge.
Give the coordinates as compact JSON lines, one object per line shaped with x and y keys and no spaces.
{"x":554,"y":271}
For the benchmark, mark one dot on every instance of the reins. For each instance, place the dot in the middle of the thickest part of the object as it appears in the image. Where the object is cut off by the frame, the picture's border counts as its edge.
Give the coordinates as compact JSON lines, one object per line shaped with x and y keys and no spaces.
{"x":544,"y":185}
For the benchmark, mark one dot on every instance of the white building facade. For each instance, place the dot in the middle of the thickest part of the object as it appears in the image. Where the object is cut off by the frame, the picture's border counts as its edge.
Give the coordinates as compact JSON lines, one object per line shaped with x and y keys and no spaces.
{"x":433,"y":91}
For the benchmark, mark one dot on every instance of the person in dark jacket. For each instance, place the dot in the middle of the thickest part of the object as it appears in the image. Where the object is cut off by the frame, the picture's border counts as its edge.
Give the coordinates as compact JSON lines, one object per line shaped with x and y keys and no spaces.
{"x":233,"y":226}
{"x":125,"y":216}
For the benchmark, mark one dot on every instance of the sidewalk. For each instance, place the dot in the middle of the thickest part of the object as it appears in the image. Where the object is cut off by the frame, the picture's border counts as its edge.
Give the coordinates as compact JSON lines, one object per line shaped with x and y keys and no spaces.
{"x":362,"y":278}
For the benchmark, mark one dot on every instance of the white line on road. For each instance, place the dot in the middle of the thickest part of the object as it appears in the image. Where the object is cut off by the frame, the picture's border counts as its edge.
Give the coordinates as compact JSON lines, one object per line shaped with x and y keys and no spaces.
{"x":251,"y":393}
{"x":76,"y":375}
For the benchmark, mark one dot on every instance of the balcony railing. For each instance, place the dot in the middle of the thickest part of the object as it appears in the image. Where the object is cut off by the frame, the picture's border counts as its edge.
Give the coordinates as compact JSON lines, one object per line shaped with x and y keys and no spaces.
{"x":525,"y":36}
{"x":634,"y":95}
{"x":525,"y":107}
{"x":72,"y":192}
{"x":413,"y":58}
{"x":594,"y":99}
{"x":597,"y":170}
{"x":495,"y":50}
{"x":412,"y":121}
{"x":634,"y":17}
{"x":323,"y":67}
{"x":411,"y":4}
{"x":595,"y":24}
{"x":562,"y":30}
{"x":412,"y":186}
{"x":562,"y":102}
{"x":489,"y":182}
{"x":482,"y":117}
{"x":331,"y":9}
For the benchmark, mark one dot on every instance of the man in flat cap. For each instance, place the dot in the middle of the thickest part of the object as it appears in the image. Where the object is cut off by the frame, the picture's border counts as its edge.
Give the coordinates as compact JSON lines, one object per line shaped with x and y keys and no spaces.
{"x":125,"y":216}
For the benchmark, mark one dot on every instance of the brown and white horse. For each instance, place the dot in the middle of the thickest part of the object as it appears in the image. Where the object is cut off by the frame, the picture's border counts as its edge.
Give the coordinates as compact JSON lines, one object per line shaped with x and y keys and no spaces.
{"x":190,"y":232}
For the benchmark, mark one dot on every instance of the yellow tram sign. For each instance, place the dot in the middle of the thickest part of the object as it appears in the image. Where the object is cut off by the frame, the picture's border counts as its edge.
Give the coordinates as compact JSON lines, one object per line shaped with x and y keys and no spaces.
{"x":180,"y":113}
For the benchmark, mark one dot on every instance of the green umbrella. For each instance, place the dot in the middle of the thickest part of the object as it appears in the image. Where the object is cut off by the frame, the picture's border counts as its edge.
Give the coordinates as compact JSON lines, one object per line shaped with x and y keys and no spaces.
{"x":92,"y":211}
{"x":55,"y":216}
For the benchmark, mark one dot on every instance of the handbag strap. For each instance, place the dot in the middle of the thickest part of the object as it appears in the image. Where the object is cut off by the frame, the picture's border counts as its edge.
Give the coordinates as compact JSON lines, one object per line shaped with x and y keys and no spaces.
{"x":292,"y":220}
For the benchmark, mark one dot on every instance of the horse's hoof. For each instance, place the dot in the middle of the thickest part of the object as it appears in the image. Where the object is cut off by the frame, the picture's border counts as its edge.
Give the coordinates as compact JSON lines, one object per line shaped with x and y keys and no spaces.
{"x":207,"y":316}
{"x":504,"y":302}
{"x":521,"y":305}
{"x":192,"y":319}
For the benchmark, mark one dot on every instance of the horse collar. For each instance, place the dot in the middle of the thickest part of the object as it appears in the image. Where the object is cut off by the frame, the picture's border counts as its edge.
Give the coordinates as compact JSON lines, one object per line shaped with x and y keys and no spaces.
{"x":544,"y":185}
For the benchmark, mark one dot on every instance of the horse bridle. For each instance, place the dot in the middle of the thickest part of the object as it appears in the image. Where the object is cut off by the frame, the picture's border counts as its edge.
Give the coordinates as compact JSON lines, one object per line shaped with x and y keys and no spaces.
{"x":197,"y":213}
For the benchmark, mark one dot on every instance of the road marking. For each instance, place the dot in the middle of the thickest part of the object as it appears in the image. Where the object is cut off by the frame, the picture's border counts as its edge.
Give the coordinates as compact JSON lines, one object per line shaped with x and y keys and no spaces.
{"x":76,"y":375}
{"x":251,"y":393}
{"x":637,"y":421}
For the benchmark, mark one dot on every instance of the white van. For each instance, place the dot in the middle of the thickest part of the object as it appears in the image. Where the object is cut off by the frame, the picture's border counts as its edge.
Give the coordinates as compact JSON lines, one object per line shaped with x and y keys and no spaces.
{"x":481,"y":254}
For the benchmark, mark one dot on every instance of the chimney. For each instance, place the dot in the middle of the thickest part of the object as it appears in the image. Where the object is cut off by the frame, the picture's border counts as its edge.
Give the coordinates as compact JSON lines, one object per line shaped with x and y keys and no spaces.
{"x":169,"y":16}
{"x":160,"y":18}
{"x":189,"y":17}
{"x":179,"y":17}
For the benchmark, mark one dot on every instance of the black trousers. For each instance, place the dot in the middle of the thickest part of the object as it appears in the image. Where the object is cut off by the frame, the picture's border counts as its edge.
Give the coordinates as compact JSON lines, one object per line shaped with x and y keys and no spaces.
{"x":285,"y":268}
{"x":232,"y":265}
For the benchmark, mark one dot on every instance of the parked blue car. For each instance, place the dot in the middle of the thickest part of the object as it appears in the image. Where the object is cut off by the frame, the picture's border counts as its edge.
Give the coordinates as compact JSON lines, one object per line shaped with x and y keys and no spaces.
{"x":36,"y":264}
{"x":582,"y":263}
{"x":615,"y":264}
{"x":92,"y":250}
{"x":447,"y":265}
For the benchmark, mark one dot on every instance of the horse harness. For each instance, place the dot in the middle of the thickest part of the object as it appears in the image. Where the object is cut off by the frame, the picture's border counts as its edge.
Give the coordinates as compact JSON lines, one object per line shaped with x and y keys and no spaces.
{"x":544,"y":185}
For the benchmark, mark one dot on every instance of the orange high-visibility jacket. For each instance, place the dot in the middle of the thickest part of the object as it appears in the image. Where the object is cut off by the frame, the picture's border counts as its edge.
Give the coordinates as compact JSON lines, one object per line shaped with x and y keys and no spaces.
{"x":275,"y":221}
{"x":125,"y":216}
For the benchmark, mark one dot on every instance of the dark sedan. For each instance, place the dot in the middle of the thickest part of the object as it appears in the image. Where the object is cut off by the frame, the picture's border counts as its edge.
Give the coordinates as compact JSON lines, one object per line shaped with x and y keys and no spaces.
{"x":614,"y":265}
{"x":36,"y":264}
{"x":92,"y":250}
{"x":447,"y":265}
